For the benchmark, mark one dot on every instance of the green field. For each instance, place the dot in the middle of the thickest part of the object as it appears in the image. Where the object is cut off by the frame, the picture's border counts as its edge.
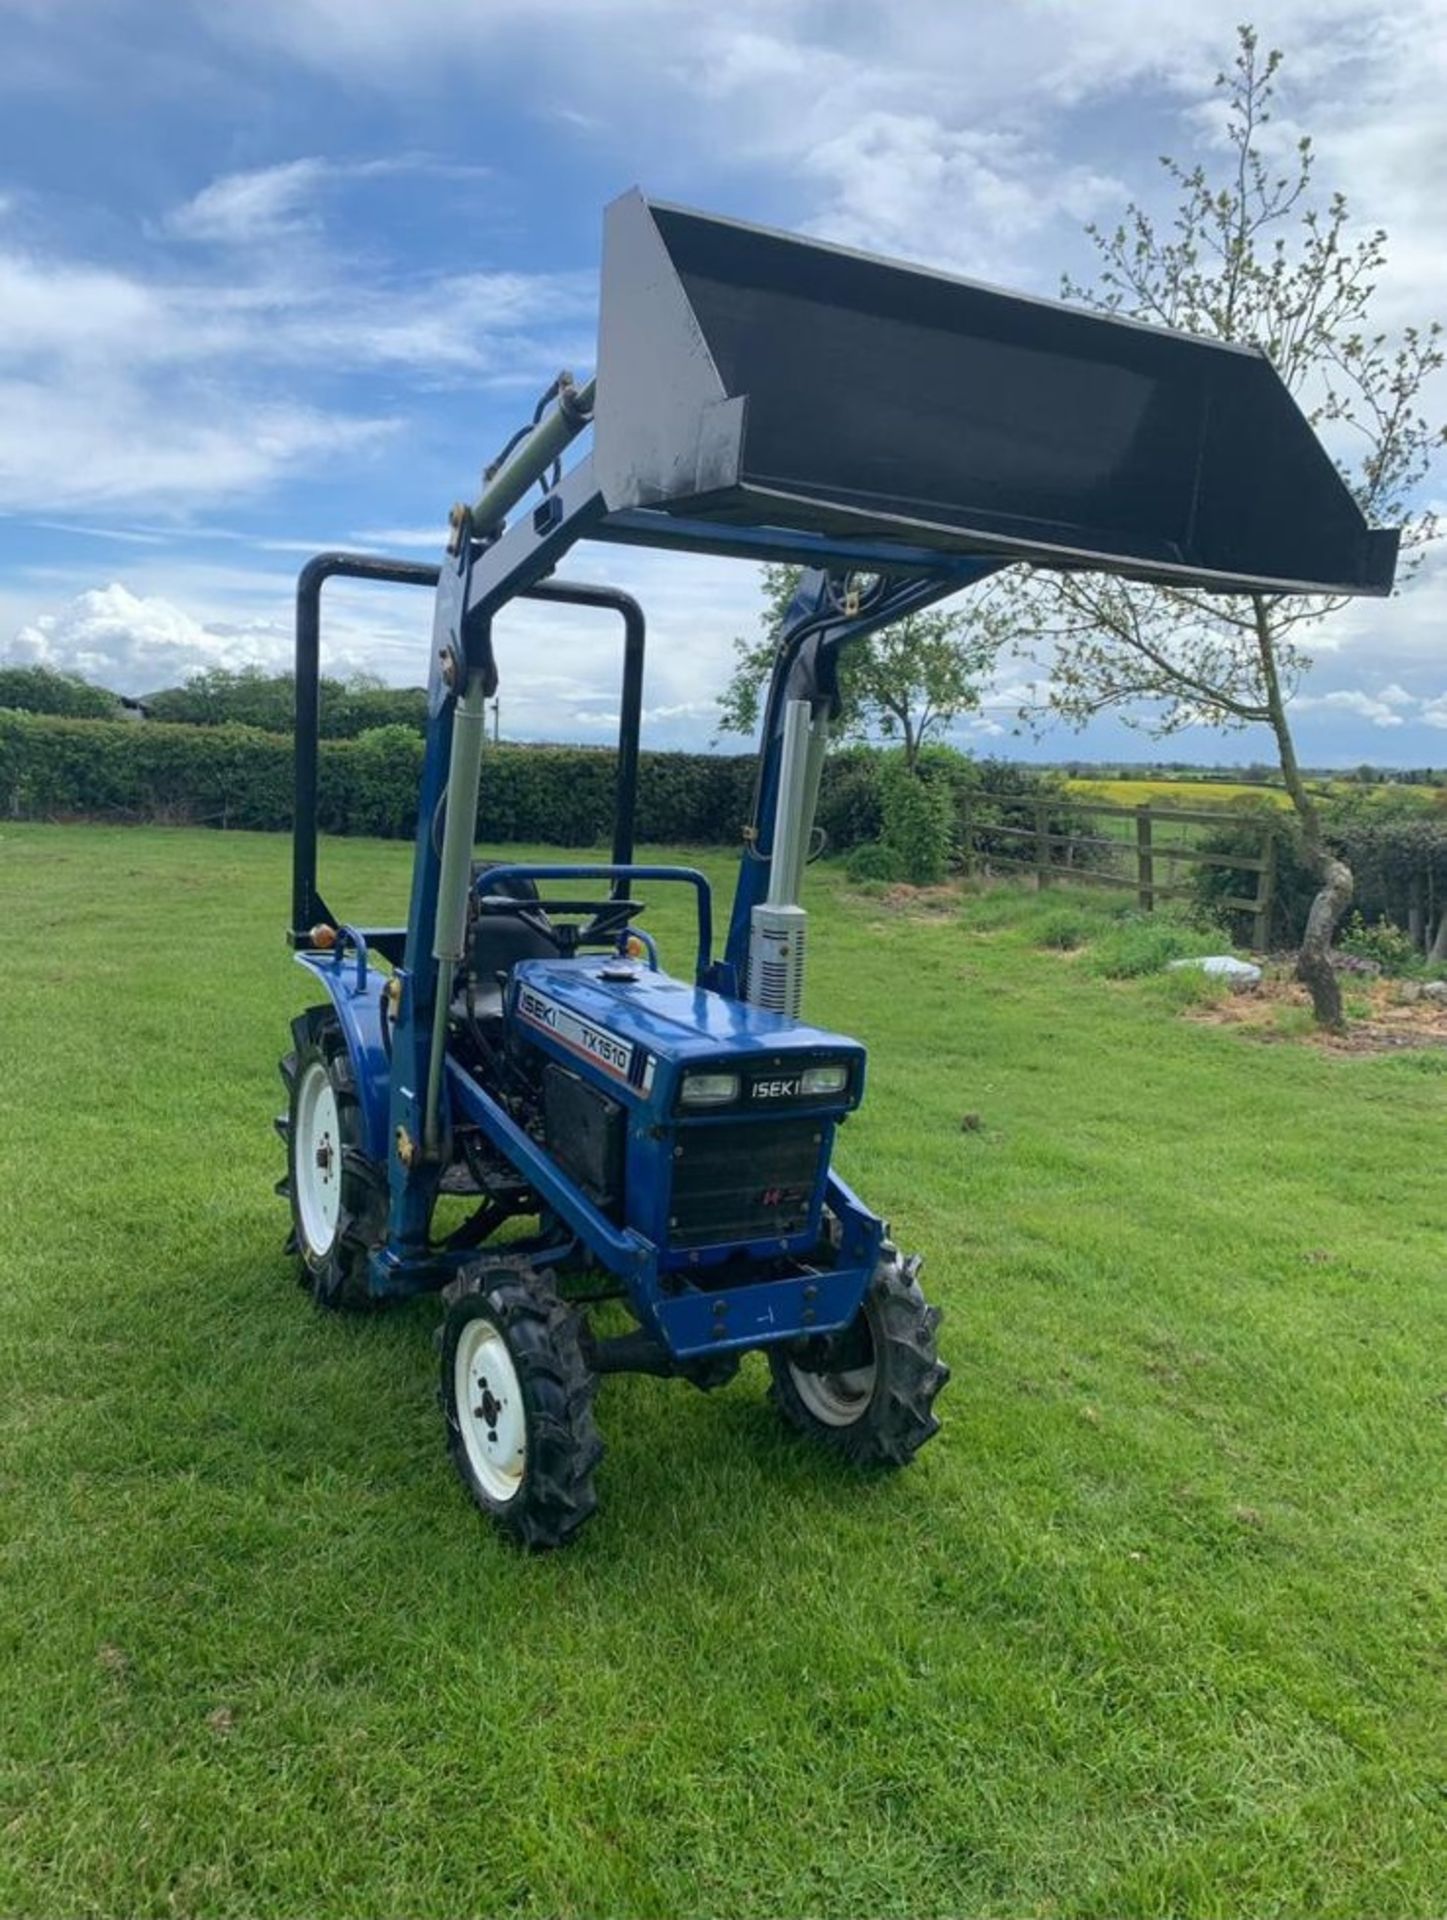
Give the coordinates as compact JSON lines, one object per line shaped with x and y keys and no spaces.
{"x":1155,"y":1627}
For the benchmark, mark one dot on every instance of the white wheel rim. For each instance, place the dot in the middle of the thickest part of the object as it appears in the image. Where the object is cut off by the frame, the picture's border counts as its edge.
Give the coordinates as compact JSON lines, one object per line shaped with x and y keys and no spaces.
{"x":317,"y":1165}
{"x":490,"y":1414}
{"x":835,"y":1399}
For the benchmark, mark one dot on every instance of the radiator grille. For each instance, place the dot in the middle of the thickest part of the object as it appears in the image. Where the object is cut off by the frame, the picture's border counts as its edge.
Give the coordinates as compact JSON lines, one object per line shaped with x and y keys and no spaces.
{"x":743,"y":1181}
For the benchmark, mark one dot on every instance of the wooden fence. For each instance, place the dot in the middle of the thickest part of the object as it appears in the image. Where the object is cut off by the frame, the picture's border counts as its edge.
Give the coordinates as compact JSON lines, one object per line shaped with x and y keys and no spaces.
{"x":1141,"y":852}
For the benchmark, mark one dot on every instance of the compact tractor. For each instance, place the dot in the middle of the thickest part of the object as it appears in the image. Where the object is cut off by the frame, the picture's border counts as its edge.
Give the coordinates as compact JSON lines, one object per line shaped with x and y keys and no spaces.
{"x":667,"y":1139}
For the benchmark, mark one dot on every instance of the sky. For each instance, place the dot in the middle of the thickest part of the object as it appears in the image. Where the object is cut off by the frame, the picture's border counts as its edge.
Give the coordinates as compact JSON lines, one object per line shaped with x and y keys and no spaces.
{"x":283,"y":276}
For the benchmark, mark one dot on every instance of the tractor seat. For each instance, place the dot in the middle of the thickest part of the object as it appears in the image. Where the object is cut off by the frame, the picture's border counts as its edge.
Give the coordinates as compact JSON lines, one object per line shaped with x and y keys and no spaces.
{"x":498,"y":940}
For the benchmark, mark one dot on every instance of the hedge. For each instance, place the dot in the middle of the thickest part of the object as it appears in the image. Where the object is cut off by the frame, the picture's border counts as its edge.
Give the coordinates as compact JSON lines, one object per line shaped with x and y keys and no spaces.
{"x":242,"y":777}
{"x":1397,"y":853}
{"x":229,"y":776}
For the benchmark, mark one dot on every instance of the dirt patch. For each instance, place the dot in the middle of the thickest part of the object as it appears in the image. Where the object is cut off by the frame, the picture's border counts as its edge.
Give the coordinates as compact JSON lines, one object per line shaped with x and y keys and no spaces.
{"x":1379,"y":1018}
{"x":917,"y":903}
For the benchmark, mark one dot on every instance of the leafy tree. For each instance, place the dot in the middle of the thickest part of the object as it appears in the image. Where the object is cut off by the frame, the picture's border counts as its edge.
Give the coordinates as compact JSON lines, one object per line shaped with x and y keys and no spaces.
{"x":365,"y":703}
{"x":250,"y":697}
{"x":42,"y":690}
{"x":904,"y":684}
{"x":1251,"y":255}
{"x":222,"y":696}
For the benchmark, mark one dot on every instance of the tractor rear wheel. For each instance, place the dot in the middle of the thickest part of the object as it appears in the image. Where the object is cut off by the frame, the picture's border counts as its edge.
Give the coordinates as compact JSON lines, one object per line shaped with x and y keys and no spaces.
{"x":338,"y":1194}
{"x":517,"y":1396}
{"x":869,"y":1394}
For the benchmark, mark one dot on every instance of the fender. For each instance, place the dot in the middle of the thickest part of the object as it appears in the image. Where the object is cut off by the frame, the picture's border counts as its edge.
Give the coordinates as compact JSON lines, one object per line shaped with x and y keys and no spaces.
{"x":355,"y":990}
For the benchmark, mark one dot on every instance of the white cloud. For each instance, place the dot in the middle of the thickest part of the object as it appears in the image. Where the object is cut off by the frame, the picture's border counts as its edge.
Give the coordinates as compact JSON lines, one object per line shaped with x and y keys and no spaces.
{"x":390,"y":539}
{"x":55,"y":313}
{"x":1380,"y":712}
{"x":241,"y":208}
{"x":136,"y":645}
{"x":890,"y":118}
{"x":125,"y":536}
{"x":60,"y":308}
{"x":560,"y":667}
{"x":118,"y":389}
{"x":1434,"y":712}
{"x":138,"y":641}
{"x":106,"y":442}
{"x":264,"y":204}
{"x":908,"y":183}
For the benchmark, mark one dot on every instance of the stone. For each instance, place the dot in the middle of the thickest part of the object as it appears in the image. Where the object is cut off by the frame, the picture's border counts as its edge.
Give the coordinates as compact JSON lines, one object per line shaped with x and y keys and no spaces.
{"x":1225,"y":966}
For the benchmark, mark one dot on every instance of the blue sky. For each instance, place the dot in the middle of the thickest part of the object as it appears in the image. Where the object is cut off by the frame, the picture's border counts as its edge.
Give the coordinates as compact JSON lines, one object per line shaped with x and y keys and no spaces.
{"x":283,"y":276}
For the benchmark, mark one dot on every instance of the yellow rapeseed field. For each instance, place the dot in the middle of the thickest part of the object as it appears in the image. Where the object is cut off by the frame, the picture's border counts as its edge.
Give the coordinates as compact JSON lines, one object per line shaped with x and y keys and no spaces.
{"x":1177,"y":793}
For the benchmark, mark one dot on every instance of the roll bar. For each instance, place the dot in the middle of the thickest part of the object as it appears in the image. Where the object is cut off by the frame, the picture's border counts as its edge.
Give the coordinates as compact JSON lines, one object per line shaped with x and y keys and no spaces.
{"x":308,"y":909}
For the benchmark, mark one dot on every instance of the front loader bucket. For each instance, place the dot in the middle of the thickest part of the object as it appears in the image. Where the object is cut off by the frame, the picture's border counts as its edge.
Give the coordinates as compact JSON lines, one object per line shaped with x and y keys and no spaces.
{"x":748,"y":377}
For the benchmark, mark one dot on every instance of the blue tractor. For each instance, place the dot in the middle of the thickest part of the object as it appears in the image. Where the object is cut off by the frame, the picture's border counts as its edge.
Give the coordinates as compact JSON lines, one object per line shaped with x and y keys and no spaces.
{"x":667,"y":1139}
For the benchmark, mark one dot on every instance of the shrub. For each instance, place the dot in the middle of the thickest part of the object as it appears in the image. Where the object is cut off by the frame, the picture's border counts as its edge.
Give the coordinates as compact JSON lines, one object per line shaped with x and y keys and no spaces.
{"x":1385,"y":943}
{"x":850,"y":813}
{"x":1065,"y":929}
{"x":996,"y":799}
{"x":1145,"y":944}
{"x":1395,"y":847}
{"x":1427,"y":1060}
{"x":1292,"y":1022}
{"x":1181,"y":988}
{"x":385,"y":774}
{"x":918,"y":821}
{"x":875,"y":861}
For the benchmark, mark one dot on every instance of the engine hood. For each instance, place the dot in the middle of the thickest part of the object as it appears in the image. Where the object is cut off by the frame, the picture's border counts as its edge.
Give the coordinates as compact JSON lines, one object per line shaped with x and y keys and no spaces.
{"x":643,"y":1030}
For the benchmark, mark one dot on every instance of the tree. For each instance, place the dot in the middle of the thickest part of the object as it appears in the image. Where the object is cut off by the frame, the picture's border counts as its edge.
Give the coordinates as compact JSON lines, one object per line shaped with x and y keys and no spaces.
{"x":250,"y":697}
{"x":906,"y":683}
{"x":43,"y":690}
{"x":221,"y":696}
{"x":1252,"y":256}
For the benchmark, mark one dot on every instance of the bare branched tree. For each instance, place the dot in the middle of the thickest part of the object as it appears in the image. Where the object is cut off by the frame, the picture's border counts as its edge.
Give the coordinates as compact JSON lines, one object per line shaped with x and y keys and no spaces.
{"x":1250,"y":255}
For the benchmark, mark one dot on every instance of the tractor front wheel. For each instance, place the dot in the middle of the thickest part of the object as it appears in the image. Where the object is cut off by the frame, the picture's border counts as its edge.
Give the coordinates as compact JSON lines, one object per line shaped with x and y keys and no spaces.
{"x":869,"y":1393}
{"x":338,"y":1195}
{"x":517,"y":1395}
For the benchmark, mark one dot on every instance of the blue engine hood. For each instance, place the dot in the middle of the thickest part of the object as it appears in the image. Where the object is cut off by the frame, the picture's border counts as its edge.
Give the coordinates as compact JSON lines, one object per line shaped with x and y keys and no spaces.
{"x":659,"y":1024}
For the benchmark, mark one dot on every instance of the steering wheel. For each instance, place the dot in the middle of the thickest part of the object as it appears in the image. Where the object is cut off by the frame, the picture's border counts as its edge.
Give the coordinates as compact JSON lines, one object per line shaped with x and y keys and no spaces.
{"x":606,"y":919}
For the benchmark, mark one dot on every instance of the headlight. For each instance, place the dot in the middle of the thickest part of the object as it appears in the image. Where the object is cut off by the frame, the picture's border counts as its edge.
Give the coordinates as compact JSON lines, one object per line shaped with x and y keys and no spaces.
{"x":814,"y":1082}
{"x":709,"y":1089}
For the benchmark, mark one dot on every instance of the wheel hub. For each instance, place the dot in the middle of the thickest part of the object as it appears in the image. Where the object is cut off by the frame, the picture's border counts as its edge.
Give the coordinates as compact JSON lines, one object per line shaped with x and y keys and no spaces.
{"x":838,"y":1398}
{"x":317,"y":1173}
{"x":489,"y":1409}
{"x":490,"y":1414}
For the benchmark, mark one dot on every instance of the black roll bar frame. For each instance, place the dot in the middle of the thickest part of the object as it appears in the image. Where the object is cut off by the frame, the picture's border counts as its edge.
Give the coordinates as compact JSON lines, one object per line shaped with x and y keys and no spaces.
{"x":308,"y":909}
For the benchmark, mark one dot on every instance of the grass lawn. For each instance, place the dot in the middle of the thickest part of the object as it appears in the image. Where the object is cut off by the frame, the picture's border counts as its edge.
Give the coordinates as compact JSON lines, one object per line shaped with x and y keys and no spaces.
{"x":1154,"y":1627}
